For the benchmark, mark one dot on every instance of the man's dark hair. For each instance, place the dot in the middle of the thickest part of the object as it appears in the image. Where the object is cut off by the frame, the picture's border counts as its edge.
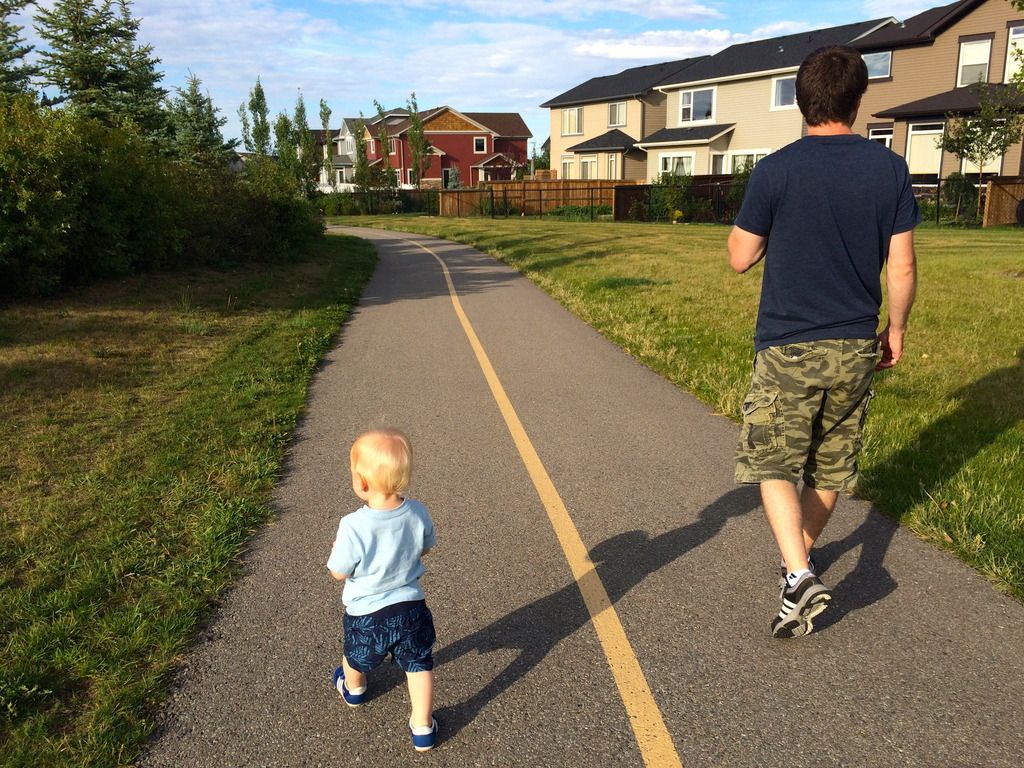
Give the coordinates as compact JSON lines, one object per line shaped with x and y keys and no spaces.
{"x":829,"y":85}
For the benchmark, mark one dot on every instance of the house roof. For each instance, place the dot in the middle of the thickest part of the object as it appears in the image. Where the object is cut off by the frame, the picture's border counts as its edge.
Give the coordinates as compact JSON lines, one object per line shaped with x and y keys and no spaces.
{"x":613,"y":141}
{"x":921,"y":29}
{"x":498,"y":159}
{"x":700,"y":134}
{"x":784,"y":52}
{"x":318,"y":134}
{"x":509,"y":125}
{"x":634,"y":81}
{"x":959,"y":101}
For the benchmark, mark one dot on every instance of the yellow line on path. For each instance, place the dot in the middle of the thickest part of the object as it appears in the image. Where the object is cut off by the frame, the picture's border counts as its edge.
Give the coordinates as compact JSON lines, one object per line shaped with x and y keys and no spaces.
{"x":652,"y":736}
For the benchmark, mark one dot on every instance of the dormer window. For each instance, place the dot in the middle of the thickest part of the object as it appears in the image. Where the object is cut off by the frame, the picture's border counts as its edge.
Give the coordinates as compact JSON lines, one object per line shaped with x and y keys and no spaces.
{"x":879,"y":64}
{"x":697,"y":105}
{"x":973,"y":66}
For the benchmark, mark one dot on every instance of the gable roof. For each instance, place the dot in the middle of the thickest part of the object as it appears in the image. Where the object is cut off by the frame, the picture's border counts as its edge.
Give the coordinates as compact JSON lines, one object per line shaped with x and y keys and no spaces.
{"x":508,"y":125}
{"x":701,"y":134}
{"x":612,"y":141}
{"x":628,"y":83}
{"x":921,"y":29}
{"x":775,"y":53}
{"x":959,"y":101}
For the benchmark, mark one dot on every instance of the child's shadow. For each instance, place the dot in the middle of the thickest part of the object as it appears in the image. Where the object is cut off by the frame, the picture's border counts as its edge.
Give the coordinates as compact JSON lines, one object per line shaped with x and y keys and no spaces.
{"x":532,"y":631}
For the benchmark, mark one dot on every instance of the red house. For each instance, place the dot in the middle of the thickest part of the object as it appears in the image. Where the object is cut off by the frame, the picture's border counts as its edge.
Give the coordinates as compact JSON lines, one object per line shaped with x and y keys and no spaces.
{"x":467,"y":147}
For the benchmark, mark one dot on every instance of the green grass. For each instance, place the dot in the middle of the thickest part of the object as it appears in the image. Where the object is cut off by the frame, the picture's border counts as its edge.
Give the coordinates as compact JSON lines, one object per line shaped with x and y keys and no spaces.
{"x":145,"y":422}
{"x":944,"y":454}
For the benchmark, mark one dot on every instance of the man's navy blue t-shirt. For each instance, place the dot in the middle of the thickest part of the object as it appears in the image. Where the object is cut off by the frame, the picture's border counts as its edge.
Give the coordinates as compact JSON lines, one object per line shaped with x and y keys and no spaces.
{"x":828,"y":206}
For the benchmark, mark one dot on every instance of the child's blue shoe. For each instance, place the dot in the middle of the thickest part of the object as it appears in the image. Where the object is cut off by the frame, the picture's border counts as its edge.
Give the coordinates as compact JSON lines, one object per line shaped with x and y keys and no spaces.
{"x":352,"y":699}
{"x":421,"y":741}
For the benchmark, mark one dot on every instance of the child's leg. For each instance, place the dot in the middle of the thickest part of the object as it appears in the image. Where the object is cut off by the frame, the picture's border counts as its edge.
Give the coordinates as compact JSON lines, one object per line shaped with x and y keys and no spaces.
{"x":421,"y":693}
{"x":354,"y":679}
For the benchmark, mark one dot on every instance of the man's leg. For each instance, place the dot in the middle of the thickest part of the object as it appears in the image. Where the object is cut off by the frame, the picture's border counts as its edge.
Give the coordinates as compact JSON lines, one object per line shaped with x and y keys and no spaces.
{"x":796,"y":520}
{"x":816,"y":506}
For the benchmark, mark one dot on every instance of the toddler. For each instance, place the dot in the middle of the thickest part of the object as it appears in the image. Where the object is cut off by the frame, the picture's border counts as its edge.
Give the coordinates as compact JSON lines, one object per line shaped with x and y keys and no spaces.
{"x":377,"y":554}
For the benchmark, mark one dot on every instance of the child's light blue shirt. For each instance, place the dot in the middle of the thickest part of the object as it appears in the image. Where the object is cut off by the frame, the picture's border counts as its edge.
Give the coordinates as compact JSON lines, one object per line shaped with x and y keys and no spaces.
{"x":380,"y":552}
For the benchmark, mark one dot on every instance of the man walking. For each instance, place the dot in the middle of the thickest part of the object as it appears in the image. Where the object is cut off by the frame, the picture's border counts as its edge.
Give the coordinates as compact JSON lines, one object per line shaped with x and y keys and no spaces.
{"x":826,"y":213}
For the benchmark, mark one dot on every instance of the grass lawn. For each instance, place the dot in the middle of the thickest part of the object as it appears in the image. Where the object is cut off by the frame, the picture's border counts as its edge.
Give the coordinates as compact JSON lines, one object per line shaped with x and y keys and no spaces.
{"x":145,"y":421}
{"x":944,"y":454}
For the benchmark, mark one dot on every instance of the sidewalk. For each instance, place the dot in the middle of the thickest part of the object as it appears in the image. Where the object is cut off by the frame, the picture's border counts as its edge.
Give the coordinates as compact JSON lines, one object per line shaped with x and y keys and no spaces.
{"x":918,"y":662}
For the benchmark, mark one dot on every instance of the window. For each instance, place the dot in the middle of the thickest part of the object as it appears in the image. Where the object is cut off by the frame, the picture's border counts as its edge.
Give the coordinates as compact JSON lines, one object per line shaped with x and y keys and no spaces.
{"x":677,"y":164}
{"x":411,"y":181}
{"x":446,"y":177}
{"x":371,"y":147}
{"x":479,"y":144}
{"x":617,"y":114}
{"x":567,"y":167}
{"x":572,"y":121}
{"x":784,"y":93}
{"x":613,"y":166}
{"x":992,"y":165}
{"x":696,"y":105}
{"x":588,"y":167}
{"x":882,"y":135}
{"x":391,"y":147}
{"x":718,"y":164}
{"x":741,"y":160}
{"x":879,"y":64}
{"x":1014,"y":44}
{"x":973,"y":61}
{"x":923,"y":152}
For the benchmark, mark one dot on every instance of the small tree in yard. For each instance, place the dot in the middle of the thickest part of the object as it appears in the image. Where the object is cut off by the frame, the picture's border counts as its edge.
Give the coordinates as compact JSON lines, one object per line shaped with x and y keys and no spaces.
{"x":389,"y":175}
{"x":325,"y":123}
{"x":419,"y":147}
{"x":986,"y":135}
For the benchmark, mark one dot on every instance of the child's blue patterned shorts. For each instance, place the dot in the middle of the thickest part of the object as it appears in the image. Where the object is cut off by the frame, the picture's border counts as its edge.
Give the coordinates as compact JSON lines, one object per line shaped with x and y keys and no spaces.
{"x":405,"y":630}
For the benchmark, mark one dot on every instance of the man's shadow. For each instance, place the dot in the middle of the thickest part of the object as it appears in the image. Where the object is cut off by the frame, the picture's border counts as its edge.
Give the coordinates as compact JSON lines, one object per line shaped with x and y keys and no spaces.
{"x":985,"y":410}
{"x":621,"y":562}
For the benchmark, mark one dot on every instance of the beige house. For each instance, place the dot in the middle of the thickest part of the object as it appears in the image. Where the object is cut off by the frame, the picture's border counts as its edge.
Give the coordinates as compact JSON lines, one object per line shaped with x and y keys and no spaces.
{"x":733,"y":108}
{"x":920,"y":71}
{"x":595,"y":126}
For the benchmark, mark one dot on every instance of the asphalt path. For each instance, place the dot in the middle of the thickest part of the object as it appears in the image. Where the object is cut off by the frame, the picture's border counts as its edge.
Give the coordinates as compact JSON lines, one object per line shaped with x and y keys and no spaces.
{"x":918,"y":663}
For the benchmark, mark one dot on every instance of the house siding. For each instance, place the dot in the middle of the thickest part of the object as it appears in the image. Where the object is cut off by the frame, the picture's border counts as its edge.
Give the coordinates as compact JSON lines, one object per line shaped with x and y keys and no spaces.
{"x":920,"y":71}
{"x":655,"y":112}
{"x":745,"y":103}
{"x":595,"y":123}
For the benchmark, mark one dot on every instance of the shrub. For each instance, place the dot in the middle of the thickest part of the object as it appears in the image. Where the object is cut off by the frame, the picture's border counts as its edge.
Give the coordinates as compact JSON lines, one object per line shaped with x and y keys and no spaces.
{"x":580,"y":212}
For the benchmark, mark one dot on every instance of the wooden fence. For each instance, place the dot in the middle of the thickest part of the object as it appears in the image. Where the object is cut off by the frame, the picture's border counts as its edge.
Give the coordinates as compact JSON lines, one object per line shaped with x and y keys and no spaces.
{"x":1003,"y":202}
{"x":532,"y":197}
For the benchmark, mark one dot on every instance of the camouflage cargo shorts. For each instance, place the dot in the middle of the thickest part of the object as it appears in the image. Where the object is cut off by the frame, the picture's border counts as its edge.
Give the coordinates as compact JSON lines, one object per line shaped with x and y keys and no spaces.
{"x":804,"y":414}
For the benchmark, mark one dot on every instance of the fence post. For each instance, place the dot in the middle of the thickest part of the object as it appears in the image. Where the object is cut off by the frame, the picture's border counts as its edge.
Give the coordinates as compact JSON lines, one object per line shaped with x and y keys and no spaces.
{"x":504,"y":194}
{"x":938,"y":199}
{"x":458,"y":204}
{"x":591,"y":203}
{"x":491,"y":190}
{"x":540,"y":201}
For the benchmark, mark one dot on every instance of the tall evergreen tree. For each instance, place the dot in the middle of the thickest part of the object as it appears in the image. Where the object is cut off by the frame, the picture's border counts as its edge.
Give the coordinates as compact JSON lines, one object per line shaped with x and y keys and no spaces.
{"x":83,"y":38}
{"x":196,"y":136}
{"x":15,"y":72}
{"x":140,"y":98}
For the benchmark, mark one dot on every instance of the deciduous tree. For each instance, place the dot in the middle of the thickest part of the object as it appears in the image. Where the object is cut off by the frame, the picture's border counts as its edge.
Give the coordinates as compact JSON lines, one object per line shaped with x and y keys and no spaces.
{"x":419,"y":147}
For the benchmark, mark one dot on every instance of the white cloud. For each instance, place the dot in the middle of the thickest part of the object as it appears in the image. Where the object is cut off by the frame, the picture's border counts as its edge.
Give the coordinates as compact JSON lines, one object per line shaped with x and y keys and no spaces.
{"x":563,"y":9}
{"x":901,"y":9}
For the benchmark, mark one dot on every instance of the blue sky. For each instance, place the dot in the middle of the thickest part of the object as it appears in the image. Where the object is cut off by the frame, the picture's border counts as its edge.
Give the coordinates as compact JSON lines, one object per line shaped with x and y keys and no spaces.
{"x":474,"y":55}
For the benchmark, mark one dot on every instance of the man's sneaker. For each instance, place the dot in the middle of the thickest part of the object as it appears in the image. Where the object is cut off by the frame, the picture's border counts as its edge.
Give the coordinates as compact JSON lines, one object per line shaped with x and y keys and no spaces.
{"x":800,"y":604}
{"x":352,"y":699}
{"x":783,"y":571}
{"x":423,"y":739}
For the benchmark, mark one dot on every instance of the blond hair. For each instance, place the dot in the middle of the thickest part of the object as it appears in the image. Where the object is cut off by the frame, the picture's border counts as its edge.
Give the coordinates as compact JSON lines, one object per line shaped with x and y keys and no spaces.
{"x":384,"y":458}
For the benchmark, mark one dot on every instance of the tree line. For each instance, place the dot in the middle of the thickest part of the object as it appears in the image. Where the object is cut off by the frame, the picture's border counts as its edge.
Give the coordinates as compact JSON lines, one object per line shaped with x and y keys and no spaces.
{"x":106,"y":172}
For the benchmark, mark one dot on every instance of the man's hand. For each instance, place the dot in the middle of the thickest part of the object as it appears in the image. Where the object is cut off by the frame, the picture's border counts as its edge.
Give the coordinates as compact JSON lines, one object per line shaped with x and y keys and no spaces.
{"x":891,"y":342}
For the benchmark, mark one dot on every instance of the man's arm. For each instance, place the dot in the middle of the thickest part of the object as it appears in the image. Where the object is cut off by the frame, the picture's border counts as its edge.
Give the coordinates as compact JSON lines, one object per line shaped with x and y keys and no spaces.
{"x":901,"y":282}
{"x":745,"y":249}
